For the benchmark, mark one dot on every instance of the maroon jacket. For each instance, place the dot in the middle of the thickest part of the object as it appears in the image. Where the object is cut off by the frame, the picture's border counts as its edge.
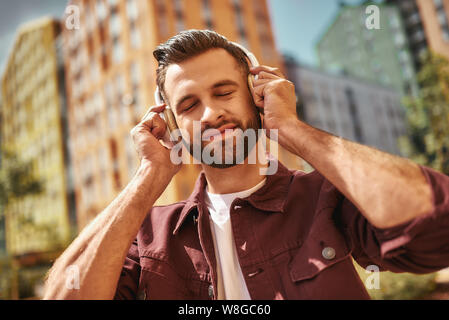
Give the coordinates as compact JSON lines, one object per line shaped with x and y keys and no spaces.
{"x":294,"y":237}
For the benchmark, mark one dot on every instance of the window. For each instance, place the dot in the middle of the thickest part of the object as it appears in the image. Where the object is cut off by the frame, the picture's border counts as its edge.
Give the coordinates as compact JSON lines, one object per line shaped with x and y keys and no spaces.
{"x":110,"y":103}
{"x":161,"y":15}
{"x":207,"y":14}
{"x":394,"y":21}
{"x":132,"y":9}
{"x":240,"y":23}
{"x":101,"y":10}
{"x":179,"y":15}
{"x":418,"y":36}
{"x":354,"y":112}
{"x":115,"y":162}
{"x":399,"y":39}
{"x":442,"y":19}
{"x":134,"y":36}
{"x":438,"y":4}
{"x":115,"y":25}
{"x":117,"y":51}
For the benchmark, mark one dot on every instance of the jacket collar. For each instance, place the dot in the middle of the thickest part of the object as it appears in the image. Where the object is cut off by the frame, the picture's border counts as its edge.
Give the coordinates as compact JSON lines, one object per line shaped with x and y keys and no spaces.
{"x":270,"y":198}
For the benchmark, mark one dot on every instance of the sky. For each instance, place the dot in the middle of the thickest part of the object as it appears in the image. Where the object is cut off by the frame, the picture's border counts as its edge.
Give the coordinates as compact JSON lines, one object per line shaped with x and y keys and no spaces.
{"x":297,"y":24}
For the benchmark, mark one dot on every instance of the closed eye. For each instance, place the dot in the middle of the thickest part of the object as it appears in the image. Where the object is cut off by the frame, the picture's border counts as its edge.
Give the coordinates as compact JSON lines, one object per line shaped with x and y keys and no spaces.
{"x":224,"y":94}
{"x":189,"y":107}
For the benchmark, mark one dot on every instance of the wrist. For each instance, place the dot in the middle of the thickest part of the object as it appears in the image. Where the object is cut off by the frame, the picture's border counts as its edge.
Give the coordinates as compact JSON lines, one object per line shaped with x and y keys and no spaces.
{"x":147,"y":167}
{"x":153,"y":176}
{"x":290,"y":134}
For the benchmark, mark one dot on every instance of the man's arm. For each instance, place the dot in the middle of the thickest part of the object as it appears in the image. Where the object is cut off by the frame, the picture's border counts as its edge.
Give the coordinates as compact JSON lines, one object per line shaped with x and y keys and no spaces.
{"x":98,"y":253}
{"x":388,"y":190}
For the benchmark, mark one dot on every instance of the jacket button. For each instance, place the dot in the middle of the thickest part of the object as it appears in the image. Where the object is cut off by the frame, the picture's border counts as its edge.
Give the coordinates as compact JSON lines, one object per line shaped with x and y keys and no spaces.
{"x":328,"y":253}
{"x":211,"y":291}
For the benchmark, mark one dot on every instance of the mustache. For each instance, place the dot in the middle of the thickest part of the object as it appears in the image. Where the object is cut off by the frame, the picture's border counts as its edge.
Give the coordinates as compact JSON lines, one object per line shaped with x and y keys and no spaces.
{"x":221,"y":123}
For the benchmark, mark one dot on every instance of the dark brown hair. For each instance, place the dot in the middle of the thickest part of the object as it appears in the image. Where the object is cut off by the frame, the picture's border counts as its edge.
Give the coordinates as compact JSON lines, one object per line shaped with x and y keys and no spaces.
{"x":190,"y":43}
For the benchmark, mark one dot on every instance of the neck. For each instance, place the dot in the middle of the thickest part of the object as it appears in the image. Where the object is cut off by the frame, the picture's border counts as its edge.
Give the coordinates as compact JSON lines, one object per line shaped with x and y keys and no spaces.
{"x":234,"y":179}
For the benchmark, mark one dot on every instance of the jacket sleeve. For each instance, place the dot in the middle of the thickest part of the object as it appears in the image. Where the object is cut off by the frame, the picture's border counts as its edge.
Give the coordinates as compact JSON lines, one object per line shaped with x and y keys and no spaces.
{"x":418,"y":246}
{"x":128,"y":283}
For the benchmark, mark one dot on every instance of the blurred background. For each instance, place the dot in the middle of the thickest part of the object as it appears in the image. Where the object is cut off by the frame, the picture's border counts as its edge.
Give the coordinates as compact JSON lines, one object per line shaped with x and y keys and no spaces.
{"x":77,"y":76}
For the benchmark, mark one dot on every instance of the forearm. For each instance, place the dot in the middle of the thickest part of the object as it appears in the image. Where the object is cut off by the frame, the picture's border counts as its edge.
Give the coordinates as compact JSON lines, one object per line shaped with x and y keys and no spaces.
{"x":100,"y":249}
{"x":388,"y":190}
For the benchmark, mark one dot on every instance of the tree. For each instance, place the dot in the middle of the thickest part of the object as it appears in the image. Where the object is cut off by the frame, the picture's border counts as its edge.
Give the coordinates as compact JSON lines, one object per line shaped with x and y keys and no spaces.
{"x":16,"y":182}
{"x":16,"y":179}
{"x":428,"y":116}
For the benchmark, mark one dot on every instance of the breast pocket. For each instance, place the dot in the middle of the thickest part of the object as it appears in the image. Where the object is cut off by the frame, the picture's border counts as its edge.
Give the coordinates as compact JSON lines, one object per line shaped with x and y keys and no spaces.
{"x":322,"y":267}
{"x":161,"y":281}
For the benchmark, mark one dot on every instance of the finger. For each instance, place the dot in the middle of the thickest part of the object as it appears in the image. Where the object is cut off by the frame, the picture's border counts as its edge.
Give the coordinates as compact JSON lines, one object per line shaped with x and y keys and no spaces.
{"x":258,"y":91}
{"x":267,"y":75}
{"x":155,"y":124}
{"x":261,"y":82}
{"x":158,"y":108}
{"x":275,"y":71}
{"x":258,"y":94}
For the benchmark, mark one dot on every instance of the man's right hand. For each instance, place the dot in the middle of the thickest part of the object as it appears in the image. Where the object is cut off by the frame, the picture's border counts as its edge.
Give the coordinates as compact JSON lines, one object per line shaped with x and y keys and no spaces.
{"x":146,"y":135}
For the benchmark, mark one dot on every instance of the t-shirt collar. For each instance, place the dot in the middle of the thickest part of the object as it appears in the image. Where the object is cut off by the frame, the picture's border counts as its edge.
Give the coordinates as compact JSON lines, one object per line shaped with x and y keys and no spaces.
{"x":271,"y":197}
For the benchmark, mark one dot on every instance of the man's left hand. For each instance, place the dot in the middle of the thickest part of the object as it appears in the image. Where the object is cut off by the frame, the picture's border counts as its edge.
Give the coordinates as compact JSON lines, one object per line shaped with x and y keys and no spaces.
{"x":275,"y":95}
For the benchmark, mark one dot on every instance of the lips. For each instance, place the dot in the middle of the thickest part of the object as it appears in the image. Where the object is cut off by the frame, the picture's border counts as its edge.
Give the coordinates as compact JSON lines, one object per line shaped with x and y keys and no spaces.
{"x":211,"y":134}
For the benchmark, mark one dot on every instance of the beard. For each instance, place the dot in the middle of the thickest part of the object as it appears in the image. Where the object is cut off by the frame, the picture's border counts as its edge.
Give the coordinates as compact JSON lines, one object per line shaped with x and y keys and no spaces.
{"x":233,"y":148}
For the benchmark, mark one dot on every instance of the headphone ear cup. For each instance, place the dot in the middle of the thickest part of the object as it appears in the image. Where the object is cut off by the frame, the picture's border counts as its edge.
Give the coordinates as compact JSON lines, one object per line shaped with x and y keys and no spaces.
{"x":251,"y":82}
{"x":251,"y":89}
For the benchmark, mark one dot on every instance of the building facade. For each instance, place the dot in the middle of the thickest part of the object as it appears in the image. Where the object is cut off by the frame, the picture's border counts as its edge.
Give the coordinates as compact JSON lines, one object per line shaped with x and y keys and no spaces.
{"x":426,"y":24}
{"x":111,"y":81}
{"x":378,"y":55}
{"x":352,"y":109}
{"x":33,"y":128}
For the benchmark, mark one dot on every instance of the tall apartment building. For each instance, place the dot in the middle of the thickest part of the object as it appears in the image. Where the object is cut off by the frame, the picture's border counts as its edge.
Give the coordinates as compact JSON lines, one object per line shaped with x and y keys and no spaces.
{"x":111,"y":80}
{"x":34,"y":128}
{"x":356,"y":110}
{"x":2,"y":217}
{"x":426,"y":24}
{"x":378,"y":55}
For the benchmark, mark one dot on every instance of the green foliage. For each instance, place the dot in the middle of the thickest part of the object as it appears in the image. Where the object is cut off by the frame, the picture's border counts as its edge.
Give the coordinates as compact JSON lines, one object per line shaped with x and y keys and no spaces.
{"x":428,"y":116}
{"x":400,"y":286}
{"x":17,"y":179}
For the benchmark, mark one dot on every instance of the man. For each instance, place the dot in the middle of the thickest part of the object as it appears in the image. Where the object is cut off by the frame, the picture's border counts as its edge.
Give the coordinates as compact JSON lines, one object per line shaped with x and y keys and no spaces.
{"x":242,"y":235}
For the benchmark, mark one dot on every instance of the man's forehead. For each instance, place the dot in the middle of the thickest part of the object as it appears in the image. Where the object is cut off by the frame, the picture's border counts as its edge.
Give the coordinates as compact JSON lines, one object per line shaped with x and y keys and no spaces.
{"x":215,"y":61}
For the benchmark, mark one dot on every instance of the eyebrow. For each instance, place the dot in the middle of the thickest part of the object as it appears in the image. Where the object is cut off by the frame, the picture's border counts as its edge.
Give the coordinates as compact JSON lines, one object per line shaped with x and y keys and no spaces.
{"x":218,"y":84}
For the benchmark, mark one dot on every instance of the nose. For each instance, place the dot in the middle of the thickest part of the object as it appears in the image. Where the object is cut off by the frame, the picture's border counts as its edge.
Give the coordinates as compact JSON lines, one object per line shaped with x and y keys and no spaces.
{"x":211,"y":115}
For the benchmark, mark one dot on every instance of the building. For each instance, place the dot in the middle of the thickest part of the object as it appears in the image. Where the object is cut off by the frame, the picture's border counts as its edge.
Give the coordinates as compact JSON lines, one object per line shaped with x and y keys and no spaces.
{"x":378,"y":55}
{"x":2,"y":217}
{"x":37,"y":227}
{"x":110,"y":83}
{"x":350,"y":108}
{"x":426,"y":24}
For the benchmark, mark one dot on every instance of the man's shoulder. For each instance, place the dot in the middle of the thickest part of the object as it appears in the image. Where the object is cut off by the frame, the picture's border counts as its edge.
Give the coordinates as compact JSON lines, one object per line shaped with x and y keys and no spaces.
{"x":163,"y":215}
{"x":308,"y":178}
{"x":315,"y":187}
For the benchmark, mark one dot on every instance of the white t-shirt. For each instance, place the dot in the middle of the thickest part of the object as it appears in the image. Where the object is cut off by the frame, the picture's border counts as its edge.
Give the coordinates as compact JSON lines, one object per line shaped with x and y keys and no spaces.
{"x":231,"y":283}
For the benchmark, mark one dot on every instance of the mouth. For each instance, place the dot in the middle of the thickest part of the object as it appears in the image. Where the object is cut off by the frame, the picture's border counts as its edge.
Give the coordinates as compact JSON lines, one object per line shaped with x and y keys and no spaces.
{"x":219,"y":133}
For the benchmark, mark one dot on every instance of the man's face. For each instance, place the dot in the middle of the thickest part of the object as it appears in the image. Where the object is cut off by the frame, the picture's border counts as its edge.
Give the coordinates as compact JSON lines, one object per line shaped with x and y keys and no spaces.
{"x":211,"y":89}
